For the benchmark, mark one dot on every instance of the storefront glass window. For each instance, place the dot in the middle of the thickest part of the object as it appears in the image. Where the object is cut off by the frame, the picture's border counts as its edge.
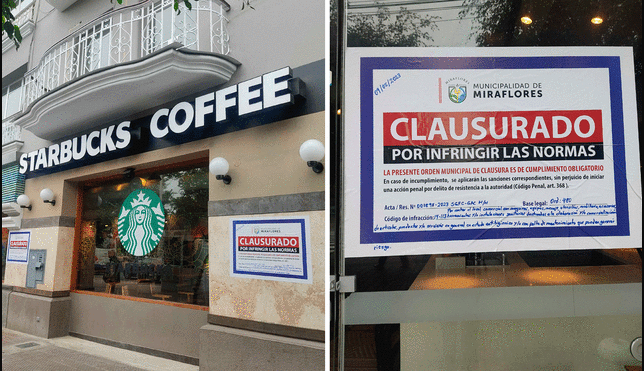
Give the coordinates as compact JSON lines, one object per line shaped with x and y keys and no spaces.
{"x":110,"y":258}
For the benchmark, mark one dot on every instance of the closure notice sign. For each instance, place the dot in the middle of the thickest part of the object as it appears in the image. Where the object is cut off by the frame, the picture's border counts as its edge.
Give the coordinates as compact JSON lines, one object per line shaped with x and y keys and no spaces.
{"x":271,"y":249}
{"x":496,"y":149}
{"x":18,"y":249}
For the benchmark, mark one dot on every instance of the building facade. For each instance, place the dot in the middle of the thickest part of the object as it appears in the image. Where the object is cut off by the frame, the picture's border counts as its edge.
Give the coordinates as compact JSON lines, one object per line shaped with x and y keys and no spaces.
{"x":121,"y":116}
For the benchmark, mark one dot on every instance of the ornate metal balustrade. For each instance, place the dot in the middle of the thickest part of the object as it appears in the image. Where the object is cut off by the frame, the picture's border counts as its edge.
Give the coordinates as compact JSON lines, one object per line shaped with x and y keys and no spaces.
{"x":10,"y":132}
{"x":24,"y":18}
{"x":125,"y":35}
{"x":25,"y":15}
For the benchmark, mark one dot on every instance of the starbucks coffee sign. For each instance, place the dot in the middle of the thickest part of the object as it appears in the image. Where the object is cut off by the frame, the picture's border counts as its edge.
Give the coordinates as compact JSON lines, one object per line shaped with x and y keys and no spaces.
{"x":141,"y":222}
{"x":217,"y":112}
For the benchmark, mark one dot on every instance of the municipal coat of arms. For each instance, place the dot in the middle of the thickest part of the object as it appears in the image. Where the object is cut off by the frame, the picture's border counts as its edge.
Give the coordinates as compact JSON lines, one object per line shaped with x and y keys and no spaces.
{"x":457,"y":93}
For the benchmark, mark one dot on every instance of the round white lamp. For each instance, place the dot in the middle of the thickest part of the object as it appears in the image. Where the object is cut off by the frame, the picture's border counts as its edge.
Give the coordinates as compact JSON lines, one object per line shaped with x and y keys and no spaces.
{"x":219,"y":168}
{"x":312,"y":151}
{"x":24,"y":202}
{"x":47,"y":196}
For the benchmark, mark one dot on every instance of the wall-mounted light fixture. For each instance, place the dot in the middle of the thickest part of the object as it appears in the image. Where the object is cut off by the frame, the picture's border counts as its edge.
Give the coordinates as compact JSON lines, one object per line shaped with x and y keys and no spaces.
{"x":219,"y":168}
{"x":312,"y":151}
{"x":24,"y":202}
{"x":47,"y":196}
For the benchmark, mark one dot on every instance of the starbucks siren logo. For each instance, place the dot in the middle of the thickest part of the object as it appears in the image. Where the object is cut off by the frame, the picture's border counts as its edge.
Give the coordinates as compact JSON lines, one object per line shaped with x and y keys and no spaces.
{"x":141,"y":222}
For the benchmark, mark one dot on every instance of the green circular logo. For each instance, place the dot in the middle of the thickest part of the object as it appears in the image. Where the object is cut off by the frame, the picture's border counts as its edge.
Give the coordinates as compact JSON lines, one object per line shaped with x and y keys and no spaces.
{"x":141,"y":222}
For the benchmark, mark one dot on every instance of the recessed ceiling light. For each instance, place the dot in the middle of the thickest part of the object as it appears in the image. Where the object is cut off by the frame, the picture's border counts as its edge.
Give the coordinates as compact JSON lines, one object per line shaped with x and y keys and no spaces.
{"x":526,"y":20}
{"x":597,"y":20}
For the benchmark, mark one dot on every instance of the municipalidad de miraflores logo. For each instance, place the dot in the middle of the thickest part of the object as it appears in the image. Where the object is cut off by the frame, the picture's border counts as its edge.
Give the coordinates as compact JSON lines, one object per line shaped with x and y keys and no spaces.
{"x":141,"y":222}
{"x":457,"y":89}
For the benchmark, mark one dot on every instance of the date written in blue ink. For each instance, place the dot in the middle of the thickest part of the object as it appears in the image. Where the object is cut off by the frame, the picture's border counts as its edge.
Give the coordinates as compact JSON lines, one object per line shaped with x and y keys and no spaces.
{"x":386,"y":84}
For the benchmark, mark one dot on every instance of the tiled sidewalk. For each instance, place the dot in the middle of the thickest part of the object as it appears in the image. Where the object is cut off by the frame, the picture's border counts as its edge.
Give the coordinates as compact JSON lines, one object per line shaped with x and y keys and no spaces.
{"x":29,"y":353}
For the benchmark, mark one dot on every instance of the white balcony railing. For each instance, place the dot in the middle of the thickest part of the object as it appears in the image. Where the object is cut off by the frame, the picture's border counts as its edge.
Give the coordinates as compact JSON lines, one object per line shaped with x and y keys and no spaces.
{"x":24,"y":13}
{"x":24,"y":18}
{"x":125,"y":35}
{"x":10,"y":132}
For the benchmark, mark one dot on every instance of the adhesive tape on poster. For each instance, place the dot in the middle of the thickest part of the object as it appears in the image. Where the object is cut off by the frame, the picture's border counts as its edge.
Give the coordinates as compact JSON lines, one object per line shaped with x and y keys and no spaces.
{"x":616,"y":351}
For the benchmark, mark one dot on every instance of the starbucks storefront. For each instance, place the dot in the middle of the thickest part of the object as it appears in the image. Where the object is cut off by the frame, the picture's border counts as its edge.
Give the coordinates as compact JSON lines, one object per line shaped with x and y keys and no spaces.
{"x":140,"y":243}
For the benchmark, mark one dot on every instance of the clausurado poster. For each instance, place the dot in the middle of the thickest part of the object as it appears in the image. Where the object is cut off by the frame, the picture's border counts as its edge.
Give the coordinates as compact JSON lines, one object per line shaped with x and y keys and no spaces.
{"x":490,"y":149}
{"x":18,"y":249}
{"x":271,"y":249}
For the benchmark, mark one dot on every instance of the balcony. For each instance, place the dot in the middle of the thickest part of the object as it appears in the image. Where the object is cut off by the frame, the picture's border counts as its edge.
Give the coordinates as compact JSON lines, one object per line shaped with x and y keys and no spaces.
{"x":124,"y":62}
{"x":10,"y":133}
{"x":24,"y":18}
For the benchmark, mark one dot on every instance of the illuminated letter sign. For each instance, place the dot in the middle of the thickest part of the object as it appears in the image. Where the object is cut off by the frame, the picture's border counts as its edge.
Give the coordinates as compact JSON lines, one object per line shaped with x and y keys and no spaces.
{"x":211,"y":109}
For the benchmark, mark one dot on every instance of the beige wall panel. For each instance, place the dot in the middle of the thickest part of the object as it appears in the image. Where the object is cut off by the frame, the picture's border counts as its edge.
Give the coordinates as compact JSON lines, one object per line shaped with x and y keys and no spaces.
{"x":40,"y":209}
{"x":69,"y":199}
{"x":57,"y":262}
{"x":15,"y":274}
{"x":283,"y":303}
{"x":265,"y":160}
{"x":64,"y":254}
{"x":47,"y":239}
{"x":65,"y":194}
